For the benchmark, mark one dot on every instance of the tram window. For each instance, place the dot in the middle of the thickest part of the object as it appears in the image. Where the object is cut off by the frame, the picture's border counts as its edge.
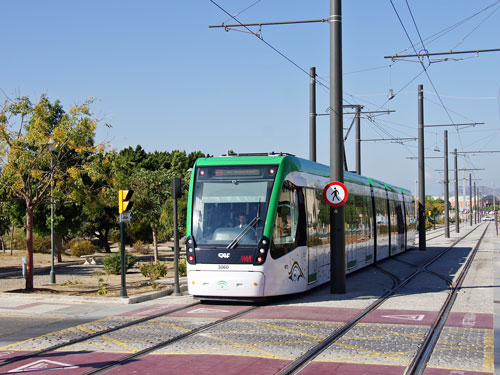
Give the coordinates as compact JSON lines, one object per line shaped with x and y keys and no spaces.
{"x":382,"y":217}
{"x":410,"y":216}
{"x":323,"y":218}
{"x":312,"y":210}
{"x":286,"y":222}
{"x":317,"y":218}
{"x":399,"y":214}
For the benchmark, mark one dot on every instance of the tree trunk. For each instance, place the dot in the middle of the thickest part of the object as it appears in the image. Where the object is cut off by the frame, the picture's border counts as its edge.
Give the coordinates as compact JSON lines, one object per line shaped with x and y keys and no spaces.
{"x":107,"y":248}
{"x":2,"y":243}
{"x":58,"y":241}
{"x":29,"y":247}
{"x":103,"y":240}
{"x":12,"y":237}
{"x":155,"y":244}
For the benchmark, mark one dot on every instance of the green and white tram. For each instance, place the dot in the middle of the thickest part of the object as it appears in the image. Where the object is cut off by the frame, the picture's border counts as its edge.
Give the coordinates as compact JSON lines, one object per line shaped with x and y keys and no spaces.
{"x":257,"y":225}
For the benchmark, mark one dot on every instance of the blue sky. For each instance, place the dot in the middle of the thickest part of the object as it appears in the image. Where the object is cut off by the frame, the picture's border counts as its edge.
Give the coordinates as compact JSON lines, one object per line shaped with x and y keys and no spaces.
{"x":165,"y":81}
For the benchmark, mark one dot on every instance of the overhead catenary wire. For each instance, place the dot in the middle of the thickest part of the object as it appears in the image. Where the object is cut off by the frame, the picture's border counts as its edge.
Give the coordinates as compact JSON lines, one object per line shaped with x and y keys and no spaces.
{"x":448,"y":29}
{"x":262,"y":40}
{"x":425,"y":70}
{"x":243,"y":10}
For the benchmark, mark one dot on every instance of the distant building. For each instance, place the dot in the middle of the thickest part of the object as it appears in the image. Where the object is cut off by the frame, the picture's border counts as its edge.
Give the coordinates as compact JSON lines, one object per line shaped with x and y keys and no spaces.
{"x":485,"y":201}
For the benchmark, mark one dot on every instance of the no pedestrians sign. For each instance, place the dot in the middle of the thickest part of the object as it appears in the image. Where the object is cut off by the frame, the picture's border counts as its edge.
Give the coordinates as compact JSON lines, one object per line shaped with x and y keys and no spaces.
{"x":335,"y":194}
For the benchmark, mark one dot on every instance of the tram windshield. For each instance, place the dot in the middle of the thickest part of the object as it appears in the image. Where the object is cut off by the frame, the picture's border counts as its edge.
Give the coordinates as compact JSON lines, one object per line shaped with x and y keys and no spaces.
{"x":230,"y":204}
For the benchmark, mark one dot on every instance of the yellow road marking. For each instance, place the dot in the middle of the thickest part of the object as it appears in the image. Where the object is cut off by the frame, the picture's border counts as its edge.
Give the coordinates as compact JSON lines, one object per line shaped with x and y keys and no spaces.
{"x":119,"y":343}
{"x":373,"y":352}
{"x":489,"y":344}
{"x":287,"y":330}
{"x":66,"y":330}
{"x":236,"y":344}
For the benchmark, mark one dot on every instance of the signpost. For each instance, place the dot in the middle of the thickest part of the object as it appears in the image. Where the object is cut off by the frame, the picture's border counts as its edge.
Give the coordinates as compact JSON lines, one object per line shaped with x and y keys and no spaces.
{"x":124,"y":205}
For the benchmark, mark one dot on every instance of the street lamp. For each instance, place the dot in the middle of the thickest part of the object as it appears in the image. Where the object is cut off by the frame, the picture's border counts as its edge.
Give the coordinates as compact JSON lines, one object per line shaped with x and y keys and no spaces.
{"x":52,"y":272}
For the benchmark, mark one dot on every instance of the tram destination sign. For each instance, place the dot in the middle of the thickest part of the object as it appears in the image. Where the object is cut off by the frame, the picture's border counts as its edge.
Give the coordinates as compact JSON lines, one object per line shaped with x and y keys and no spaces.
{"x":335,"y":194}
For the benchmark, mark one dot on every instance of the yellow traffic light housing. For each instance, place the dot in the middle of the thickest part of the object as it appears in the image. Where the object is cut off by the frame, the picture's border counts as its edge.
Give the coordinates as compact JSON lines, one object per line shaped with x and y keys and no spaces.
{"x":124,"y":204}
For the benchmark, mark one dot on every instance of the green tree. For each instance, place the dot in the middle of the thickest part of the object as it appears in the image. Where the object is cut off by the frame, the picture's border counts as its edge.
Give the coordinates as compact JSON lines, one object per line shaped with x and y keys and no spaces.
{"x":151,"y":190}
{"x":98,"y":198}
{"x":41,"y":143}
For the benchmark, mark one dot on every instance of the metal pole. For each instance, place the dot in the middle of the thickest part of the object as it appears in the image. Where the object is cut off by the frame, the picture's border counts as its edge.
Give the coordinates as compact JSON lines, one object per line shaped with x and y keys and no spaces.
{"x":337,"y":218}
{"x":358,"y":139}
{"x":495,"y":211}
{"x":52,"y":271}
{"x":421,"y":171}
{"x":177,"y":290}
{"x":475,"y":204}
{"x":457,"y":217}
{"x":123,"y":289}
{"x":446,"y":189}
{"x":312,"y":115}
{"x":470,"y":198}
{"x":464,"y":196}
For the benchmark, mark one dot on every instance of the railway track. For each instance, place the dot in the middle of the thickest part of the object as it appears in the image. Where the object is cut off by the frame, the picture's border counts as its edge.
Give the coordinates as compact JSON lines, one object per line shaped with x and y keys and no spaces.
{"x":417,"y":365}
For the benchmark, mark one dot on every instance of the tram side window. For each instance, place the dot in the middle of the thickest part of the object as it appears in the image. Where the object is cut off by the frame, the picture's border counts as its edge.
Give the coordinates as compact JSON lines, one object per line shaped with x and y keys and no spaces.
{"x":394,"y":220}
{"x":286,"y":222}
{"x":381,"y":217}
{"x":317,"y":218}
{"x":410,"y":216}
{"x":312,"y":211}
{"x":399,"y":214}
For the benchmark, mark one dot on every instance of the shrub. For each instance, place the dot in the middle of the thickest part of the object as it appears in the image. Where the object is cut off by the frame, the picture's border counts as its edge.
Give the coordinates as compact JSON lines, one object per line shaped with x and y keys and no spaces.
{"x":114,"y":235}
{"x":154,"y":271}
{"x":141,"y":248}
{"x":182,"y":267}
{"x":41,"y":245}
{"x":82,"y":248}
{"x":112,"y":263}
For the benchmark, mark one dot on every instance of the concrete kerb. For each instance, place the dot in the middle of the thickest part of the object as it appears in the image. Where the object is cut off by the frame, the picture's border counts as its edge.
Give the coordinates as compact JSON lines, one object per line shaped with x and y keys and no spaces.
{"x":114,"y":300}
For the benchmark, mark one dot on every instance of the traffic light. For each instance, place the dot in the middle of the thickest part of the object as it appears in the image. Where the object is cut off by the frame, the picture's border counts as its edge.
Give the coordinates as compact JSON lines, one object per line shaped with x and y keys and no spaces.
{"x":124,"y":204}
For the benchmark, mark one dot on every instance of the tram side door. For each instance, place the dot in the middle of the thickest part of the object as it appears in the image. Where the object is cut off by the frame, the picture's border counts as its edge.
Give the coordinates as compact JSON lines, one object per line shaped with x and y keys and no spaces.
{"x":312,"y":224}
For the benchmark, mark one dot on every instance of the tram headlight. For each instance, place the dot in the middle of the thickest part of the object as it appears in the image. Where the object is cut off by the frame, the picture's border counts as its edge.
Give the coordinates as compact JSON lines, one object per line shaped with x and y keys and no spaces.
{"x":261,"y":252}
{"x":190,"y":245}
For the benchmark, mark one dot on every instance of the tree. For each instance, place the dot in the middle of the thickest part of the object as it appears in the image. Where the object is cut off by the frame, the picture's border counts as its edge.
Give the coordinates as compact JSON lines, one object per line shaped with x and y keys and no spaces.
{"x":41,"y":143}
{"x":151,"y":190}
{"x":98,"y":197}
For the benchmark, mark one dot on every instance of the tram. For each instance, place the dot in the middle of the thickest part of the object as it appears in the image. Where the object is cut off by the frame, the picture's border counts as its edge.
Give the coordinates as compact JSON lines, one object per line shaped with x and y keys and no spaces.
{"x":257,"y":225}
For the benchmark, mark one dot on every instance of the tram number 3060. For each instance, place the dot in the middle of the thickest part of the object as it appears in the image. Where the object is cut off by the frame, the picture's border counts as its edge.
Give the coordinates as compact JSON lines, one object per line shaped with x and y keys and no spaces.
{"x":223,"y":267}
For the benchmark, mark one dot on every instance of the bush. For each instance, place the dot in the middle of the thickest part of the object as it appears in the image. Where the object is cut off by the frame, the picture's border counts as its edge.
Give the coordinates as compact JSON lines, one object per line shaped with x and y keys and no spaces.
{"x":153,"y":270}
{"x":114,"y":235}
{"x":41,"y":245}
{"x":182,"y":267}
{"x":141,"y":248}
{"x":84,"y":247}
{"x":112,"y":263}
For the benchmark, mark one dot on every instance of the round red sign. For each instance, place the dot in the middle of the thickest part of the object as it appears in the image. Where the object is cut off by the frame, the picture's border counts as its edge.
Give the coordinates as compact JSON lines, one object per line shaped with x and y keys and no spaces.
{"x":335,"y":194}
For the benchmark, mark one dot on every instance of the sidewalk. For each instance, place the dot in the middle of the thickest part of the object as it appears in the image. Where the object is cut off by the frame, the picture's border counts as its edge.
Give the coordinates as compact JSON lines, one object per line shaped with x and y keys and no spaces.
{"x":75,"y":273}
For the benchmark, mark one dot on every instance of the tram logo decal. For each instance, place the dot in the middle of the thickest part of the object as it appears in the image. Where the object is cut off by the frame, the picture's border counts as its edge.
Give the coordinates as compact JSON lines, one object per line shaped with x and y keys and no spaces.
{"x":224,"y":255}
{"x":296,"y":273}
{"x":221,"y":284}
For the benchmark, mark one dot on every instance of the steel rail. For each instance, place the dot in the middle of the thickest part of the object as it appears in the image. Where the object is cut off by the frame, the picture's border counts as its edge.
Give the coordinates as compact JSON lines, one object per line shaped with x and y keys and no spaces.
{"x":419,"y":362}
{"x":306,"y":358}
{"x":91,"y":336}
{"x":161,"y":344}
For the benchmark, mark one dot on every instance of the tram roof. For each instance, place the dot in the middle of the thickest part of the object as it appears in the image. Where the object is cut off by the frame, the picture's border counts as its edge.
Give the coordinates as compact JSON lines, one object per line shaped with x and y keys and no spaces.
{"x":294,"y":163}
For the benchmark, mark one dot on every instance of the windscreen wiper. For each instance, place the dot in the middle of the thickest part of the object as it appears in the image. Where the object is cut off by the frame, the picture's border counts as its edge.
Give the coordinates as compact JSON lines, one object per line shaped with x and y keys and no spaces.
{"x":245,"y":230}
